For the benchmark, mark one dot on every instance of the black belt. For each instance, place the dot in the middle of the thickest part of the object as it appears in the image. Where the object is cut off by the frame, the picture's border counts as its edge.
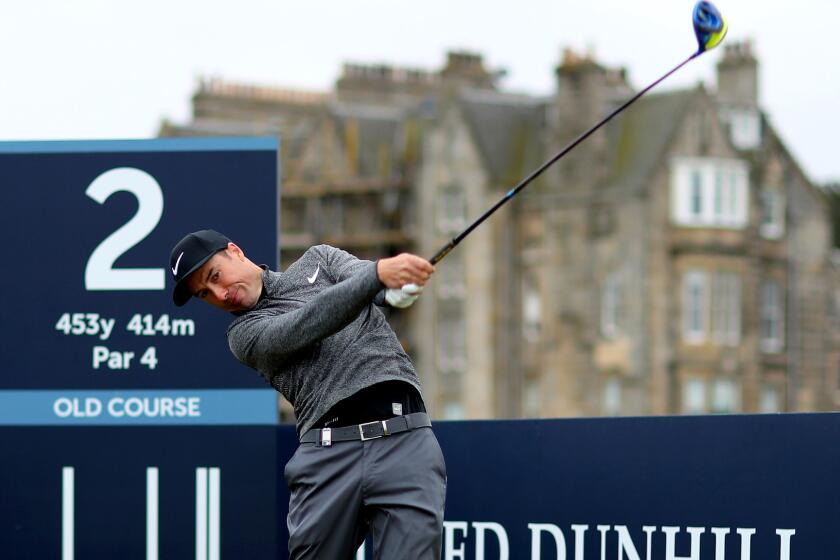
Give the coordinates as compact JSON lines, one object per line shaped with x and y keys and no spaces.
{"x":371,"y":430}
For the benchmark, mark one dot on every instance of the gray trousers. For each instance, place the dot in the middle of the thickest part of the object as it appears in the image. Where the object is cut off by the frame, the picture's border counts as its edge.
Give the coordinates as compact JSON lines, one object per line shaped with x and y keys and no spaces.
{"x":393,"y":487}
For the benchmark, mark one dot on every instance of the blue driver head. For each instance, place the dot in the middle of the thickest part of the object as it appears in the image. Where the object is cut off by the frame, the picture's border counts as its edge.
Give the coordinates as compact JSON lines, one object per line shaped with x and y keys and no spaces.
{"x":709,"y":26}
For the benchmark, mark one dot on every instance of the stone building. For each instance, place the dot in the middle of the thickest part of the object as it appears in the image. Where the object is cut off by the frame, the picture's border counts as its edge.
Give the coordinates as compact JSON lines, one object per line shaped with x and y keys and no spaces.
{"x":678,"y":261}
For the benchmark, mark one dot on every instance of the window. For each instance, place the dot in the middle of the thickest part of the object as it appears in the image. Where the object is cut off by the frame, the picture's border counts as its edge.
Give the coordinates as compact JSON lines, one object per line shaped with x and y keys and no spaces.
{"x":612,"y":397}
{"x":772,"y":214}
{"x":707,"y":192}
{"x":531,"y":310}
{"x":726,"y":308}
{"x":771,"y":400}
{"x":452,"y":338}
{"x":745,"y":128}
{"x":726,"y":396}
{"x":696,"y":194}
{"x":694,"y":396}
{"x":452,"y":210}
{"x":332,"y":208}
{"x":531,"y":397}
{"x":453,"y":410}
{"x":612,"y":307}
{"x":451,"y":277}
{"x":772,"y":315}
{"x":293,"y":215}
{"x":694,"y":307}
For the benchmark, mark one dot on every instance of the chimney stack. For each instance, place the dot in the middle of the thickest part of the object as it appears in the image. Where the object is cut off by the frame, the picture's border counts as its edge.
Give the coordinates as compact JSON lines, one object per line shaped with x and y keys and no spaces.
{"x":738,"y":76}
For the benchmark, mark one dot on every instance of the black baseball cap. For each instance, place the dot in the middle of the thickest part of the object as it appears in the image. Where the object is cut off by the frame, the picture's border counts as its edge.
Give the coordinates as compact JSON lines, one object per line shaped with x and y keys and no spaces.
{"x":188,"y":255}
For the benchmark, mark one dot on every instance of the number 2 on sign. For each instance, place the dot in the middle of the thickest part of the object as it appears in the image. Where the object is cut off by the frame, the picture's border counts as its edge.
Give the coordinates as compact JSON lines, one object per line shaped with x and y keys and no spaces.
{"x":100,"y":273}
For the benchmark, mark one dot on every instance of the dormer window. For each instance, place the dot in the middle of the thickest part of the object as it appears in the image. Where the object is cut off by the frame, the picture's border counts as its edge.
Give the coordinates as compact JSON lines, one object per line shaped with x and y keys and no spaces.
{"x":709,"y":192}
{"x":744,"y":127}
{"x":772,"y":214}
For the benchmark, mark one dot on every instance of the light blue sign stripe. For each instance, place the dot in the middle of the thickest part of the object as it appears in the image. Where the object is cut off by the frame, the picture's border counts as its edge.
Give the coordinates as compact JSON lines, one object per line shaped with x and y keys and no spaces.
{"x":213,"y":144}
{"x":138,"y":408}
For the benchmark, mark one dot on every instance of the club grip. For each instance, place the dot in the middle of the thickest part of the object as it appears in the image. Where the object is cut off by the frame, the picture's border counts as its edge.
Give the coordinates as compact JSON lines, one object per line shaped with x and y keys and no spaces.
{"x":442,"y":253}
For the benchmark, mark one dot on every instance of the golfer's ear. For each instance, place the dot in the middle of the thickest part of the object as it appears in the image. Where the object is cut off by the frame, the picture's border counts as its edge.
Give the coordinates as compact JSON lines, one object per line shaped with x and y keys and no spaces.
{"x":234,"y":251}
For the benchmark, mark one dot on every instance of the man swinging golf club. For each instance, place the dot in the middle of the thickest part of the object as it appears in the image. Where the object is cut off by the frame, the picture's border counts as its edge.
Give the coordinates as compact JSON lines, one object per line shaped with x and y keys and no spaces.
{"x":368,"y":461}
{"x":316,"y":336}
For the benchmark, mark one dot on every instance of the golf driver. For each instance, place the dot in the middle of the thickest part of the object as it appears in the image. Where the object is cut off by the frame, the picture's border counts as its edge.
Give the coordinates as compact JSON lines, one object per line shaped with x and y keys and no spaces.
{"x":709,"y":28}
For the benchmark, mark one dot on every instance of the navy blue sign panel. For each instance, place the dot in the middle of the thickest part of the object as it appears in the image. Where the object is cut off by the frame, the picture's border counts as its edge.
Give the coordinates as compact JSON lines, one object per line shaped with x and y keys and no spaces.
{"x":690,"y":488}
{"x":681,"y":488}
{"x":89,"y":227}
{"x":139,"y":493}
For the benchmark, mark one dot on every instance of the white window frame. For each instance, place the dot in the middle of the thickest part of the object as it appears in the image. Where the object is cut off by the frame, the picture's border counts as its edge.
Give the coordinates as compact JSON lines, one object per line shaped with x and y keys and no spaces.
{"x":744,"y":127}
{"x":452,"y":339}
{"x":450,"y":279}
{"x":770,"y":400}
{"x":531,"y":393}
{"x":452,"y":209}
{"x":723,"y":189}
{"x":612,"y":396}
{"x":772,"y":214}
{"x":726,"y":308}
{"x":454,"y":410}
{"x":694,"y":396}
{"x":695,"y":306}
{"x":531,"y":309}
{"x":772,"y":316}
{"x":612,"y":306}
{"x":726,"y":395}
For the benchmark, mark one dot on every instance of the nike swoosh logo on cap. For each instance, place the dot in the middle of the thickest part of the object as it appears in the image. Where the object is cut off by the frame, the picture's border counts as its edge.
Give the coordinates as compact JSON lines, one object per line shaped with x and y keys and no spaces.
{"x":314,"y":276}
{"x":175,"y":268}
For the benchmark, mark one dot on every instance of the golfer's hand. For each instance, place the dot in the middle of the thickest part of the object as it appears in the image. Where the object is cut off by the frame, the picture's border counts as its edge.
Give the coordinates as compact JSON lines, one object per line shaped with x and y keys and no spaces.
{"x":404,"y":269}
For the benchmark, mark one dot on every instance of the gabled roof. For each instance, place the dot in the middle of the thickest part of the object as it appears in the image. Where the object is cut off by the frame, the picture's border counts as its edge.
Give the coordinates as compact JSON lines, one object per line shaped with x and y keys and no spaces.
{"x":508,"y":130}
{"x":375,"y":127}
{"x":638,"y":138}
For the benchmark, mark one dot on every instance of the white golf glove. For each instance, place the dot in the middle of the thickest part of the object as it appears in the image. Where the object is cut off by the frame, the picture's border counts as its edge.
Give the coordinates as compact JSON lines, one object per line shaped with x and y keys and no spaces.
{"x":404,"y":296}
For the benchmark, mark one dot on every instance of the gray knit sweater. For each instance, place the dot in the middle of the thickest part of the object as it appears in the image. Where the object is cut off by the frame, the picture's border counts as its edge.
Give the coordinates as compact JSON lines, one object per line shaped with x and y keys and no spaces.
{"x":317,"y":337}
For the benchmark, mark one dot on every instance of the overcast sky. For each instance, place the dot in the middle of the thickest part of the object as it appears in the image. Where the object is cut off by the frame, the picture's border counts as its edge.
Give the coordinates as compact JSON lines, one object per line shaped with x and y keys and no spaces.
{"x":82,"y":69}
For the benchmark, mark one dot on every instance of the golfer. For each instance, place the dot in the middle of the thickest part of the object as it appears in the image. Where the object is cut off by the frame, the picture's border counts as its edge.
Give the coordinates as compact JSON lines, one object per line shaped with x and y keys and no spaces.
{"x":368,"y":461}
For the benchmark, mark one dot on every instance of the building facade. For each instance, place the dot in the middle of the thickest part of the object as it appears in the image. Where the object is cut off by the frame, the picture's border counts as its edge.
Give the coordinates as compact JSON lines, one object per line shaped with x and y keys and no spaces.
{"x":678,"y":261}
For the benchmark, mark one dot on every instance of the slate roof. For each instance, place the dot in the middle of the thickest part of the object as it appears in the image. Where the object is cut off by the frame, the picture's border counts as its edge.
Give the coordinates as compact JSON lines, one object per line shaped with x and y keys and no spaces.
{"x":377,"y":126}
{"x":508,"y":130}
{"x":639,"y":136}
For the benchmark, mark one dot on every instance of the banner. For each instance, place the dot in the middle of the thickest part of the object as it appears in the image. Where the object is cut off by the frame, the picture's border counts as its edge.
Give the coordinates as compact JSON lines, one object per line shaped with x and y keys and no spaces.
{"x":672,"y":488}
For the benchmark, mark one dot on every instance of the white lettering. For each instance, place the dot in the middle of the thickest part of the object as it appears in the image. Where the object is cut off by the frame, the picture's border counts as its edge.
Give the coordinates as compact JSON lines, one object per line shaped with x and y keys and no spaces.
{"x":553,"y":530}
{"x":603,"y":529}
{"x":90,"y":407}
{"x":579,"y":531}
{"x":625,"y":543}
{"x":63,"y":407}
{"x":113,"y":360}
{"x":784,"y":542}
{"x":112,"y":407}
{"x":746,"y":535}
{"x":107,"y":327}
{"x":501,"y":535}
{"x":154,"y":407}
{"x":100,"y":354}
{"x":720,"y":542}
{"x":670,"y":542}
{"x":649,"y":531}
{"x":134,"y":407}
{"x":449,"y":528}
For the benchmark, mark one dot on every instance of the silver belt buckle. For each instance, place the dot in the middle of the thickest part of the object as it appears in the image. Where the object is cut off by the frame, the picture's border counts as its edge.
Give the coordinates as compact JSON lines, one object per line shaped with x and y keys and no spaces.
{"x":326,"y":437}
{"x":385,"y":431}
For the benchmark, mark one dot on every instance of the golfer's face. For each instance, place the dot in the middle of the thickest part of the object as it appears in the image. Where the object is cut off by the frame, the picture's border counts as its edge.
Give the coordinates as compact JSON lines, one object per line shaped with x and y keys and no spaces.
{"x":226,"y":282}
